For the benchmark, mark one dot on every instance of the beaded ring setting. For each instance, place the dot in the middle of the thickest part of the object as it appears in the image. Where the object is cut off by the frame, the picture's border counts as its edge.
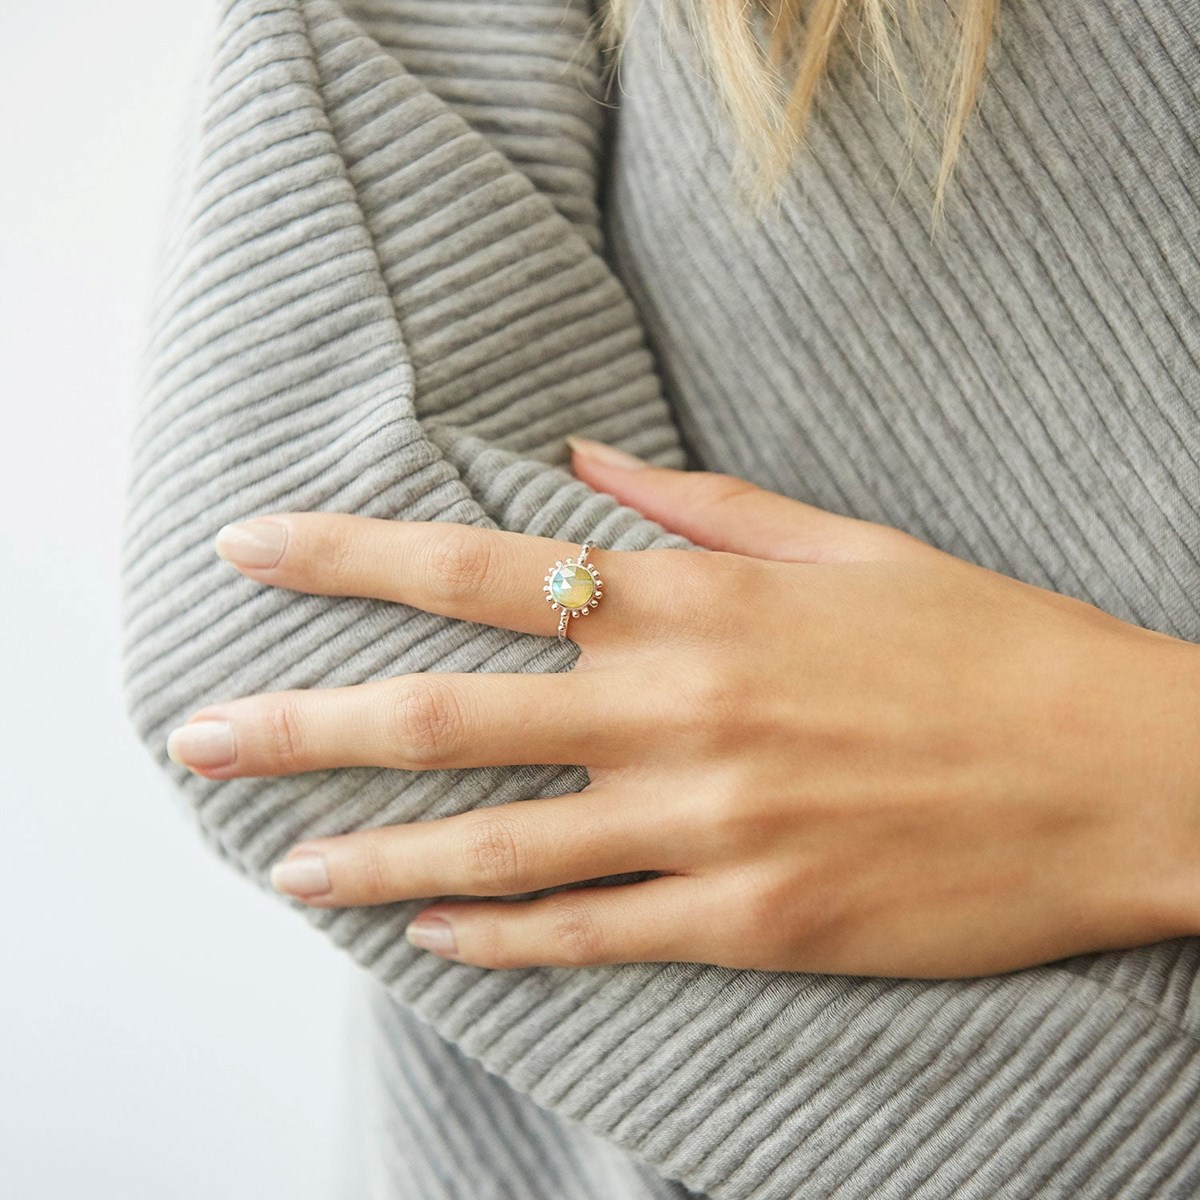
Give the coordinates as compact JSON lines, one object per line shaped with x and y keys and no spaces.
{"x":573,"y":588}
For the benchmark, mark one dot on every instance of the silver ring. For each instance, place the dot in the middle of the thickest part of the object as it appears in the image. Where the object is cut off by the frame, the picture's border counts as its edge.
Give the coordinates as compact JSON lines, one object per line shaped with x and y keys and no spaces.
{"x":573,"y":588}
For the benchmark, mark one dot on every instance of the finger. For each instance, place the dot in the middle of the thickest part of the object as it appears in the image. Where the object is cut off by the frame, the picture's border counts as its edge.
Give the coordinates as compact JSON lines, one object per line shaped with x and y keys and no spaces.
{"x":658,"y":920}
{"x":500,"y":851}
{"x":419,"y":721}
{"x":727,"y":513}
{"x":492,"y":576}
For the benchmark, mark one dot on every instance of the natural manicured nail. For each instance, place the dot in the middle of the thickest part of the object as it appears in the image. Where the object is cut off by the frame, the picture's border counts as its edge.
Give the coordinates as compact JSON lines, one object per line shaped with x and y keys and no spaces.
{"x":304,"y":875}
{"x":202,"y":744}
{"x":604,"y":453}
{"x":252,"y":544}
{"x":432,"y":933}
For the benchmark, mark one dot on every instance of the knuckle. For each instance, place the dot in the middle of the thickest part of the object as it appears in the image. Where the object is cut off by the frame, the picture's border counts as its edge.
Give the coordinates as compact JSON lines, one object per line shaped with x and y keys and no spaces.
{"x":761,"y":913}
{"x":687,"y":569}
{"x":370,"y":872}
{"x":786,"y":917}
{"x":492,"y":859}
{"x":710,"y":684}
{"x":710,"y":592}
{"x":575,"y":935}
{"x":328,"y":551}
{"x":285,"y":741}
{"x":724,"y":812}
{"x":733,"y":822}
{"x":715,"y":489}
{"x":738,"y":818}
{"x":458,"y":562}
{"x":760,"y":905}
{"x":425,"y":720}
{"x":719,"y":705}
{"x":490,"y":948}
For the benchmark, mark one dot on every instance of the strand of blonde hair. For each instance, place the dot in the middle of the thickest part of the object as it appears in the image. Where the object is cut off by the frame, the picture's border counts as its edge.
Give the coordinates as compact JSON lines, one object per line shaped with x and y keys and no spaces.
{"x":770,"y":89}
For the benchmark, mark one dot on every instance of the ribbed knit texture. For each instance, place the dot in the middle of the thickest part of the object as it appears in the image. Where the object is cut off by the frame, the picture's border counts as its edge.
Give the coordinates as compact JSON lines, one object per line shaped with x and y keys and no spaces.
{"x":412,"y":250}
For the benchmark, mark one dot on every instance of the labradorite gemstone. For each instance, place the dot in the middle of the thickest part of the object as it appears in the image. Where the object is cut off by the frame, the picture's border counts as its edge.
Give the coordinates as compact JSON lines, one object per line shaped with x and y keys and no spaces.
{"x":572,"y":586}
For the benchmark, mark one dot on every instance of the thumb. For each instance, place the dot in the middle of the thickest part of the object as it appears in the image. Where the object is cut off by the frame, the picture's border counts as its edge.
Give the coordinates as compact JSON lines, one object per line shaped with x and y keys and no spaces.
{"x":724,"y":512}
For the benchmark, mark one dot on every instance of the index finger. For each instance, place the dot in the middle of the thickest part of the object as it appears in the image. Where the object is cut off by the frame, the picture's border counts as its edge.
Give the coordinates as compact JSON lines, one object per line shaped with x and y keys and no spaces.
{"x":492,"y":576}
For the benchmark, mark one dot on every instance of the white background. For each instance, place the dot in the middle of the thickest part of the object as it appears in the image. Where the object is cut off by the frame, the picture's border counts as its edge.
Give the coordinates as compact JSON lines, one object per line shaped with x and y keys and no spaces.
{"x":167,"y":1031}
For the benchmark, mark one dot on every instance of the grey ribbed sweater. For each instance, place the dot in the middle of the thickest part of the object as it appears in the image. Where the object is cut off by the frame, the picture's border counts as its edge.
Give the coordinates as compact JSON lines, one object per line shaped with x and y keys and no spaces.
{"x":411,"y":252}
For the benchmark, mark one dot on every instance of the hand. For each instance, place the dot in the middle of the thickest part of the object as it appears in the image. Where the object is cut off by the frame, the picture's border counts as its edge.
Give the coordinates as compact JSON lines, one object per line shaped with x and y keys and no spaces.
{"x":841,"y":749}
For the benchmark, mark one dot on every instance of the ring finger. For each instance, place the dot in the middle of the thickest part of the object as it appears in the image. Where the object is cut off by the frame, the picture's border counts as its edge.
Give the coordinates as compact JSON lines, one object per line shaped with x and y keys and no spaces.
{"x":504,"y":850}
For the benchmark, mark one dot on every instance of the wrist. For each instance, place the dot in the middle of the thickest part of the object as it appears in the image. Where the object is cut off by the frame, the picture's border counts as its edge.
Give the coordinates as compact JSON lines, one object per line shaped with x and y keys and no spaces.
{"x":1159,"y":793}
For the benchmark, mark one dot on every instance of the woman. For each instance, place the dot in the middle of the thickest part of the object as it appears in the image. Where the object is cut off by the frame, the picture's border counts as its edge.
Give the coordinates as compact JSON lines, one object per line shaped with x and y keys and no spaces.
{"x":889,"y":825}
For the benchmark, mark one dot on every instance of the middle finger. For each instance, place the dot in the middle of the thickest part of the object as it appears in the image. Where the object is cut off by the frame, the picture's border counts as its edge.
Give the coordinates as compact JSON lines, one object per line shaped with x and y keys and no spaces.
{"x":419,"y":721}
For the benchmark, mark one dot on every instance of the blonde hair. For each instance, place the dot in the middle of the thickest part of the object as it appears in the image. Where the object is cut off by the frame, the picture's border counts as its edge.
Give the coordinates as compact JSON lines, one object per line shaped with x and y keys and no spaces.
{"x":770,"y":90}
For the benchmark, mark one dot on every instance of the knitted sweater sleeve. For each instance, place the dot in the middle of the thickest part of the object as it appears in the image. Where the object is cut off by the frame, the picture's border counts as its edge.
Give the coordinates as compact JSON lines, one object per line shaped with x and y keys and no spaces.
{"x":364,"y":307}
{"x":385,"y":292}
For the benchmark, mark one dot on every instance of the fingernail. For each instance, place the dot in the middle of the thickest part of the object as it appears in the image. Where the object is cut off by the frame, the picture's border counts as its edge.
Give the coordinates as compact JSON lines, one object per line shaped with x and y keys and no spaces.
{"x":201,"y":743}
{"x":432,"y":933}
{"x":253,"y":544}
{"x":303,"y":875}
{"x":604,"y":453}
